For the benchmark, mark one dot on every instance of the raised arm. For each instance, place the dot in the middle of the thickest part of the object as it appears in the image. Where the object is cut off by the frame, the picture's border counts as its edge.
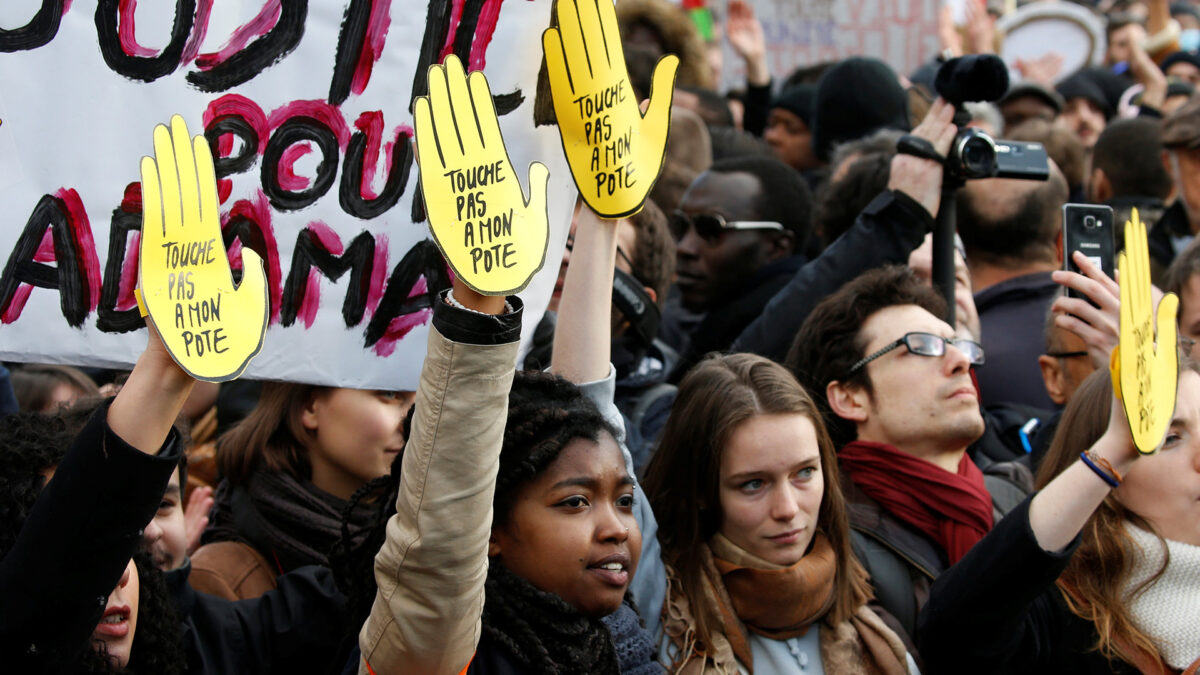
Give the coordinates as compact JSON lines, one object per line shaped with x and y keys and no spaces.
{"x":583,"y":334}
{"x":431,"y":569}
{"x":433,"y":564}
{"x":87,"y":522}
{"x":885,"y":232}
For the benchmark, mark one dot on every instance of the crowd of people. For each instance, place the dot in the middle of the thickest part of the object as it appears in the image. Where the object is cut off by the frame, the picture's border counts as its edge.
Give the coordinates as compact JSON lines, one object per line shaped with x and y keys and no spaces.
{"x":743,"y":438}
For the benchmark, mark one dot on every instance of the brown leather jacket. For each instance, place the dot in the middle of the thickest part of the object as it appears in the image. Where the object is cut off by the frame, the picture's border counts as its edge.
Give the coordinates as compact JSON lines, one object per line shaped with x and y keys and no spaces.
{"x":232,"y":570}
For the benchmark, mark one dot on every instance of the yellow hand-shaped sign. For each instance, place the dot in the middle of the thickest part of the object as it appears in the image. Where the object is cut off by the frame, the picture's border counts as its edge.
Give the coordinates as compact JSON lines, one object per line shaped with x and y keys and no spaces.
{"x":494,"y":239}
{"x":210,"y":327}
{"x":615,"y":153}
{"x":1145,"y":365}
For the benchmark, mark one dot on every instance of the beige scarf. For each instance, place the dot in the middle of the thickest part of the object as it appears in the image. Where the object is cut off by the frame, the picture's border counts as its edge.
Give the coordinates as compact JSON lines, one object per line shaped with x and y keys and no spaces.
{"x":748,"y":594}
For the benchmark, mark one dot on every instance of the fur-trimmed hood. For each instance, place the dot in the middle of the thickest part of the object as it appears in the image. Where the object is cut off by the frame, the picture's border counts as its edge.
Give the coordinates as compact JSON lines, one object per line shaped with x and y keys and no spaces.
{"x":679,"y":36}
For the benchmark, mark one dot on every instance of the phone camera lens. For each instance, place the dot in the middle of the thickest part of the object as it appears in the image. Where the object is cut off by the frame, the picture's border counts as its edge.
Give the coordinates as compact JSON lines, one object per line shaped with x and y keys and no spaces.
{"x":1089,"y":222}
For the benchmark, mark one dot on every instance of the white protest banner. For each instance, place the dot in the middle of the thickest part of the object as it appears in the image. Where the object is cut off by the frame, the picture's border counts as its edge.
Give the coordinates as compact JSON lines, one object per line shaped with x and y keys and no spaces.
{"x":306,"y":107}
{"x":901,"y":33}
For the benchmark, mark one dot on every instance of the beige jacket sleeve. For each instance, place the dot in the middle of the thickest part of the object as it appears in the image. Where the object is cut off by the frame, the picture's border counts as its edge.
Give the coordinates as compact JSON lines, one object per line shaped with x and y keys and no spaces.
{"x":432,"y":567}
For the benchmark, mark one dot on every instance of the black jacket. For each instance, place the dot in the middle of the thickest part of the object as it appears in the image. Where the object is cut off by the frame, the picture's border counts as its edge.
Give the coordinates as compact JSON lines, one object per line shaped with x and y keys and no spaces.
{"x":886,"y":232}
{"x":300,"y":626}
{"x":74,"y":546}
{"x":722,"y":325}
{"x":999,"y":611}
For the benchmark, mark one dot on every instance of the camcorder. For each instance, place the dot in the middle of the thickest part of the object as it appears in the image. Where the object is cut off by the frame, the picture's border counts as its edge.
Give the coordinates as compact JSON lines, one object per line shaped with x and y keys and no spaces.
{"x":974,"y":153}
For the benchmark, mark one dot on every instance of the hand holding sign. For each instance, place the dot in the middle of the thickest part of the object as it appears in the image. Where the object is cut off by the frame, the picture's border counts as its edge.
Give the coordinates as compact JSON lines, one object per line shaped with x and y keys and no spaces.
{"x":210,"y":327}
{"x":614,"y":151}
{"x":1145,"y":366}
{"x":494,"y":239}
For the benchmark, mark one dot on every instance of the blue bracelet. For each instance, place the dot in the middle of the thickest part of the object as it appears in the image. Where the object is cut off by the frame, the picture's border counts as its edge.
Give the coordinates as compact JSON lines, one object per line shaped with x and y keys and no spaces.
{"x":1112,"y":482}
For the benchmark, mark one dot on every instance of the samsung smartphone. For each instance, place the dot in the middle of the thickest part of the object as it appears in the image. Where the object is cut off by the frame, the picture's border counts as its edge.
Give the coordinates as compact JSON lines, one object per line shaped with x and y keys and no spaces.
{"x":1088,"y":228}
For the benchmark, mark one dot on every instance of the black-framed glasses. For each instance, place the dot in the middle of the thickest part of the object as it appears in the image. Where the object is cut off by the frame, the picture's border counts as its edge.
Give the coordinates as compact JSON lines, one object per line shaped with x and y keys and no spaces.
{"x":710,"y":226}
{"x":1067,"y":355}
{"x":925,"y":344}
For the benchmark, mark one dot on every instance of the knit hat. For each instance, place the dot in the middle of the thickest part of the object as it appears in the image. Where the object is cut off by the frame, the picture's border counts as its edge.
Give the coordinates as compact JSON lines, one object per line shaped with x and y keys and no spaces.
{"x":1030,"y":88}
{"x":1180,"y":57}
{"x":1082,"y":85}
{"x":798,"y":100}
{"x":855,"y":97}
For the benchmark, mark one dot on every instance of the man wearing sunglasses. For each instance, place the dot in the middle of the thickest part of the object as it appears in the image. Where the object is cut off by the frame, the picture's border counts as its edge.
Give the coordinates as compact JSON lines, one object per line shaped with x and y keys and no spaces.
{"x":738,"y":233}
{"x":896,"y":386}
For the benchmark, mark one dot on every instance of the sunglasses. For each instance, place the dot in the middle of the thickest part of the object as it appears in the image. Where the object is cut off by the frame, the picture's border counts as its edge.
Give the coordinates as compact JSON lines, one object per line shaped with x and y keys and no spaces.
{"x":926,"y":344}
{"x":710,"y":226}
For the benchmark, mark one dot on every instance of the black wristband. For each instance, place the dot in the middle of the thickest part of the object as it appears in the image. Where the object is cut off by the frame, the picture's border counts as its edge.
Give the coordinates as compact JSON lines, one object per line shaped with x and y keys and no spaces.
{"x":918,"y":147}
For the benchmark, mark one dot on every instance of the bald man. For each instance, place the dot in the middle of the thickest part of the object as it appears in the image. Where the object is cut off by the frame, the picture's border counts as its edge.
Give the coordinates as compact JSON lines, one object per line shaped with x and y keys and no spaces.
{"x":1010,"y":231}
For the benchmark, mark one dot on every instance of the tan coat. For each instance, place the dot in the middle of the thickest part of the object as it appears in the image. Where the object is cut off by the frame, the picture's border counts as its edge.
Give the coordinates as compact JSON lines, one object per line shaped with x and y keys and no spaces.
{"x":431,"y":569}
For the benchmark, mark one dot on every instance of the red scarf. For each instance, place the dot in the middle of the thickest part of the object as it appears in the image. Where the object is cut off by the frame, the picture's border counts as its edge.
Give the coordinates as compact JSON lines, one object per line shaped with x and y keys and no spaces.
{"x":955,"y":510}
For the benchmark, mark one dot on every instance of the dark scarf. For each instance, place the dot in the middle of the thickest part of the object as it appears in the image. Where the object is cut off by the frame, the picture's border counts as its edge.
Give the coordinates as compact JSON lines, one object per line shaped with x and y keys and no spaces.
{"x":540,"y":632}
{"x":952,"y":509}
{"x":635,"y":647}
{"x":291,"y":522}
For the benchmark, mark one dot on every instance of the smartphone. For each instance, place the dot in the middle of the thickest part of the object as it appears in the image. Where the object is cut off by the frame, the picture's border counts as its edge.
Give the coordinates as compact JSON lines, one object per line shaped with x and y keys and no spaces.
{"x":1088,"y":228}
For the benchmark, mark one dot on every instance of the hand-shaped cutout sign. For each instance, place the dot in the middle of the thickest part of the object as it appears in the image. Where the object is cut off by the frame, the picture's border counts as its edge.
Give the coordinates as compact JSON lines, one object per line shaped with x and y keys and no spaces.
{"x":1145,"y":365}
{"x":210,"y":327}
{"x":494,"y":239}
{"x":614,"y":151}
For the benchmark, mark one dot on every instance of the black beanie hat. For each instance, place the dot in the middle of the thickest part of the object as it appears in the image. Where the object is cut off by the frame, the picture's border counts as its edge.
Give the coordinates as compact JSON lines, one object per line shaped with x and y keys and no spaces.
{"x":1083,"y":85}
{"x":855,"y":97}
{"x":798,"y":100}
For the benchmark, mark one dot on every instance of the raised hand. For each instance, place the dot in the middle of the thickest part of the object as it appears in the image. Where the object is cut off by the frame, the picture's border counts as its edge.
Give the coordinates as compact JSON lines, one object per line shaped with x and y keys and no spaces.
{"x":745,"y":34}
{"x":615,"y":152}
{"x":1097,"y":322}
{"x":211,"y":327}
{"x":492,"y":236}
{"x":1145,"y":366}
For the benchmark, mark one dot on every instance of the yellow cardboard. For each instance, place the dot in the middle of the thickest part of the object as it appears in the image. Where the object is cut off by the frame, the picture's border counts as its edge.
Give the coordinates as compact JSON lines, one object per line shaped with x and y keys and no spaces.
{"x":1145,"y":365}
{"x":493,"y":237}
{"x":615,"y":152}
{"x":211,"y":327}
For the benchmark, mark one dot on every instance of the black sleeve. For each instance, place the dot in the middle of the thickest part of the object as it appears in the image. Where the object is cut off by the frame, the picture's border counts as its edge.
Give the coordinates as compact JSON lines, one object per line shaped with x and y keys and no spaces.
{"x":475,"y":328}
{"x":1148,"y":111}
{"x":887,"y":231}
{"x":996,"y":609}
{"x":756,"y":108}
{"x":74,"y":546}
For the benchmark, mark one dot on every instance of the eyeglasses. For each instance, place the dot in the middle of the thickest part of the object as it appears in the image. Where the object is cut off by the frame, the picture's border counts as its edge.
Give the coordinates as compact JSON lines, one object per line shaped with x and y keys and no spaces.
{"x":710,"y":226}
{"x":926,"y":344}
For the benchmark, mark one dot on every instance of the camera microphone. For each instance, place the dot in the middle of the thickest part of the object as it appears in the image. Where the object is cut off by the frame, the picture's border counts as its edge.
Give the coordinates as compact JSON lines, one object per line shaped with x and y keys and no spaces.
{"x":977,"y":77}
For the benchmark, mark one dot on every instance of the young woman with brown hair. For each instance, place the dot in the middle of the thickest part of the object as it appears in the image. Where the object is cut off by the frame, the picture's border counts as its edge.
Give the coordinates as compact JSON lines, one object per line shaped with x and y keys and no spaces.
{"x":754,"y":532}
{"x":1084,"y":577}
{"x":289,"y":470}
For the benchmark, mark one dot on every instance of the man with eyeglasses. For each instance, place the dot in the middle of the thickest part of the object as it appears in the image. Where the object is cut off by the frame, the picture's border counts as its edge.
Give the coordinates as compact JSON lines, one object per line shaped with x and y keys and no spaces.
{"x":896,"y":388}
{"x":739,"y":233}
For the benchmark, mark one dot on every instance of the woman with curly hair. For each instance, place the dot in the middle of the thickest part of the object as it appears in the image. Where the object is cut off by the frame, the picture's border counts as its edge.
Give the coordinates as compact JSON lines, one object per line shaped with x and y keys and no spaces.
{"x":513,"y":534}
{"x":90,"y":503}
{"x":1099,"y":572}
{"x":34,"y":446}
